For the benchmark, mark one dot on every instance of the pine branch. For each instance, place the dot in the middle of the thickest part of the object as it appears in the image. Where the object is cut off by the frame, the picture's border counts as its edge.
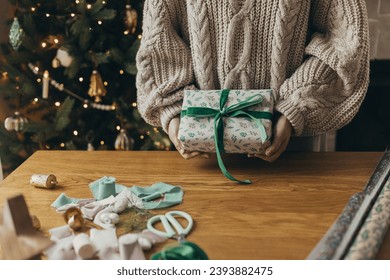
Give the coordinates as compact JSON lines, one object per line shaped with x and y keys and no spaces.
{"x":133,"y":50}
{"x":106,"y":14}
{"x":62,"y":117}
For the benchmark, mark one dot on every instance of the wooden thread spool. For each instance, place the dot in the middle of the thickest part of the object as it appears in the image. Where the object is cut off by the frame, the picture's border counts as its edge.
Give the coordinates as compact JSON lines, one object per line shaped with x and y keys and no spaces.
{"x":43,"y":181}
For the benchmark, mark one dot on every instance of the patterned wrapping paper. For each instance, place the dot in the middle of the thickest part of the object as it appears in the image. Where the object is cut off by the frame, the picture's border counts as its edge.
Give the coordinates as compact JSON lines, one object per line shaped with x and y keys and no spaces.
{"x":326,"y":249}
{"x":240,"y":134}
{"x":370,"y":237}
{"x":338,"y":241}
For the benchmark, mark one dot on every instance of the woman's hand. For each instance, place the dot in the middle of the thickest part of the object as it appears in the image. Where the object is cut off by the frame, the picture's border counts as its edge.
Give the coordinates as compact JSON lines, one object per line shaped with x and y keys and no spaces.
{"x":282,"y":133}
{"x":173,"y":130}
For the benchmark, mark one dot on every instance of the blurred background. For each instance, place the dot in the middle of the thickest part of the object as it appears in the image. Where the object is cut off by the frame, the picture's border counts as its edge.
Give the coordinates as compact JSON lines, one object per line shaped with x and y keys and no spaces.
{"x":370,"y":129}
{"x":67,"y":80}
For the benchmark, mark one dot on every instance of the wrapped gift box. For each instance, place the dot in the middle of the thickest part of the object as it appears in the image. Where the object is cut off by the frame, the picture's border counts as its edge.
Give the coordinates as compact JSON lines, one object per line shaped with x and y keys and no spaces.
{"x":246,"y":117}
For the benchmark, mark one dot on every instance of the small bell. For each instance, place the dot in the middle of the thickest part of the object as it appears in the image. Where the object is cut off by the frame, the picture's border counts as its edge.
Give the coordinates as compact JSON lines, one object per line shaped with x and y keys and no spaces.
{"x":16,"y":34}
{"x":15,"y":122}
{"x":96,"y":87}
{"x":131,"y":18}
{"x":123,"y":142}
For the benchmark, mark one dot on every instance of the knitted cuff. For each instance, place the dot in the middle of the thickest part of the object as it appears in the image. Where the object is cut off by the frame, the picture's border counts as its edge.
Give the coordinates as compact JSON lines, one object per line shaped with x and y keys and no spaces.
{"x":168,"y":113}
{"x":292,"y":114}
{"x":171,"y":111}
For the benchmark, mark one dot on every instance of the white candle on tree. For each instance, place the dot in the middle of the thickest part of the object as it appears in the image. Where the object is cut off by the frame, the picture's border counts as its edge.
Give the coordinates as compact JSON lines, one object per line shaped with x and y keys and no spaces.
{"x":45,"y":85}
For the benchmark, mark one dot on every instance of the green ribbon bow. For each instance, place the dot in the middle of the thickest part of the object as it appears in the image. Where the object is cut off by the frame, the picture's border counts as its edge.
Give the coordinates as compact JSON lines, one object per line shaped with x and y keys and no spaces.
{"x":236,"y":110}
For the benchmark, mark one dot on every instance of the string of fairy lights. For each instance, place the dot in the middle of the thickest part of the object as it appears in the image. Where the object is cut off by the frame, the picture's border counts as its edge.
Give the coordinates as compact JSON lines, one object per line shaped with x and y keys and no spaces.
{"x":60,"y":87}
{"x":86,"y":105}
{"x":86,"y":102}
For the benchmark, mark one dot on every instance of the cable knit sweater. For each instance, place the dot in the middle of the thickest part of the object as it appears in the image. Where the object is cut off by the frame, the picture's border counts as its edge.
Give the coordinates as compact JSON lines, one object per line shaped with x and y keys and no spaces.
{"x":313,"y":54}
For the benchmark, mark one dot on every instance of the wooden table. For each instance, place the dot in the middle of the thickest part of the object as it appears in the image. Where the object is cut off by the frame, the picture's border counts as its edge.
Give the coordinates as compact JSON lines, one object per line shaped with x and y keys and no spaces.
{"x":282,"y":215}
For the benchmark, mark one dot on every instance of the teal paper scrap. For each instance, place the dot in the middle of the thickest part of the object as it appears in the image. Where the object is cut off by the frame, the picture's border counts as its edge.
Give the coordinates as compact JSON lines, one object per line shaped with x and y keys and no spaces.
{"x":63,"y":199}
{"x":159,"y":195}
{"x":105,"y":187}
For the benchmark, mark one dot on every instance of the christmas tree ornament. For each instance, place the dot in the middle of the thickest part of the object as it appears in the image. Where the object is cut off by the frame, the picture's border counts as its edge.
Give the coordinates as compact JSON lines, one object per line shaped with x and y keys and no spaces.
{"x":16,"y":34}
{"x":131,"y":18}
{"x":56,"y":63}
{"x":123,"y":142}
{"x":45,"y":85}
{"x":15,"y":122}
{"x":90,"y":147}
{"x":96,"y":87}
{"x":63,"y":57}
{"x":89,"y":138}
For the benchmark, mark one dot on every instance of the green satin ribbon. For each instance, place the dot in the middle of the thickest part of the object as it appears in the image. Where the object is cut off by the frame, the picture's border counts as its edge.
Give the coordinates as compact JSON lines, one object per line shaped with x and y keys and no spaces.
{"x":183,"y":251}
{"x":235,"y":110}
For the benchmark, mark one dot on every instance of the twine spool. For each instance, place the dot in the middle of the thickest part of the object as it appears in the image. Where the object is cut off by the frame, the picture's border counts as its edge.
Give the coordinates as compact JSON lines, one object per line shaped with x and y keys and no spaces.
{"x":43,"y":181}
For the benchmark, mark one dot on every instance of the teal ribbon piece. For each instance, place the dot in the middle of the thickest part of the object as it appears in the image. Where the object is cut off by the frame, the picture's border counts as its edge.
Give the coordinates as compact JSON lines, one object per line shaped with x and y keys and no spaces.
{"x":105,"y":187}
{"x":236,"y":110}
{"x":63,"y":199}
{"x":159,"y":195}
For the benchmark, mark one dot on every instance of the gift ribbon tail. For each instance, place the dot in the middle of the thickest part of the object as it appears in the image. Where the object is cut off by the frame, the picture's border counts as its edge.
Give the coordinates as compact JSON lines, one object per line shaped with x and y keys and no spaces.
{"x":226,"y":173}
{"x":218,"y":127}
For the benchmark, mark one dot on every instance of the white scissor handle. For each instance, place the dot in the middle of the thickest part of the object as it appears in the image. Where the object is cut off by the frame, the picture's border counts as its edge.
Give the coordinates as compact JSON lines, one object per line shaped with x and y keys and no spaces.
{"x":168,"y":220}
{"x":179,"y":229}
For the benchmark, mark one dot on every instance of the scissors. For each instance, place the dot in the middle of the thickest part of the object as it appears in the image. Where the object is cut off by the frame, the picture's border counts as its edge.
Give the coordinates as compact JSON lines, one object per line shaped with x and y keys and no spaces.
{"x":173,"y":228}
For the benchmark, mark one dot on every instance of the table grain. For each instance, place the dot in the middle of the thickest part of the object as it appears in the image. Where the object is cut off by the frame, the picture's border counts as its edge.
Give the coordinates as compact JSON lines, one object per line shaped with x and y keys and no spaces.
{"x":282,"y":215}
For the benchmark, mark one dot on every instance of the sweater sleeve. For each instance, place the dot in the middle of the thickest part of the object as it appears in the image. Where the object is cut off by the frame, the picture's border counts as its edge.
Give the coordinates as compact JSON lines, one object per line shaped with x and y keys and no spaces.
{"x":326,"y":91}
{"x":164,"y":65}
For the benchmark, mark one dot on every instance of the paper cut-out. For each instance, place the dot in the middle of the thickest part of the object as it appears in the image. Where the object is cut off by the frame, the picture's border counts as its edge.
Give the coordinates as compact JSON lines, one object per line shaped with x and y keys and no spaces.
{"x":18,"y":238}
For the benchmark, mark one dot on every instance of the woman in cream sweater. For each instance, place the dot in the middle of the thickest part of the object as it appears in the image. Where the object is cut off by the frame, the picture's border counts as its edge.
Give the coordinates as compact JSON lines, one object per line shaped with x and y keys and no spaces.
{"x":314,"y":55}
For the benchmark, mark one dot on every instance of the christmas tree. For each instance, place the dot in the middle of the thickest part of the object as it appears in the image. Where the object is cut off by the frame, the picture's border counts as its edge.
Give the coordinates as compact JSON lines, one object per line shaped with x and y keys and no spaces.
{"x":68,"y":73}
